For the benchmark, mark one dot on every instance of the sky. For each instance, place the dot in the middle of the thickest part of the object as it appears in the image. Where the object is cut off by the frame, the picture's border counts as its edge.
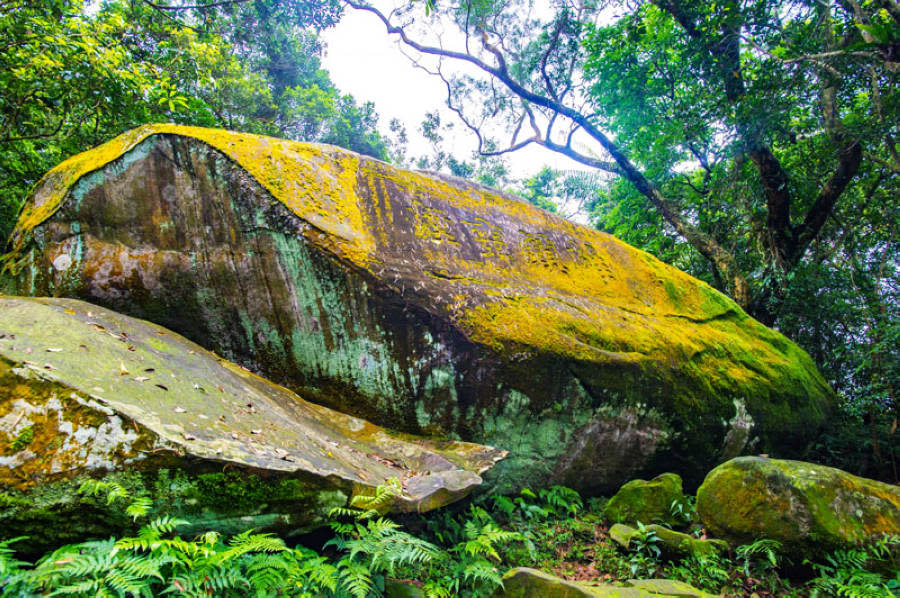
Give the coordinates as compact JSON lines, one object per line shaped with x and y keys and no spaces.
{"x":367,"y":63}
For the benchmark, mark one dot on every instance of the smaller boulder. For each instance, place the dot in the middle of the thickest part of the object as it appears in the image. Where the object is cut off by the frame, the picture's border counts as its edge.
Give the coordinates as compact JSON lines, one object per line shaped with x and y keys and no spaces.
{"x":673,"y":545}
{"x":648,"y":501}
{"x":809,"y":508}
{"x":531,"y":583}
{"x":622,"y":534}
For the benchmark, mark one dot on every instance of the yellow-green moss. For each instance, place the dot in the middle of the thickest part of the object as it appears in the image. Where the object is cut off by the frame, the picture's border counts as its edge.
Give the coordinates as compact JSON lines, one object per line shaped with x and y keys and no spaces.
{"x":809,"y":508}
{"x":313,"y":181}
{"x":541,"y":283}
{"x":647,"y":501}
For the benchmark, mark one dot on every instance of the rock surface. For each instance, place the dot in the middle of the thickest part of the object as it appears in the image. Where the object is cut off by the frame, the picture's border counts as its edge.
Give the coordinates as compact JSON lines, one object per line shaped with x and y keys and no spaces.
{"x":647,"y":501}
{"x":809,"y":508}
{"x":420,"y":302}
{"x":531,"y":583}
{"x":673,"y":545}
{"x":85,"y":391}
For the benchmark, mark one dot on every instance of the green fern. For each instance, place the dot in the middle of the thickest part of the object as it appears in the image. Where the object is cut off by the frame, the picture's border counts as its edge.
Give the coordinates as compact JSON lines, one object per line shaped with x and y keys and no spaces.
{"x":355,"y":578}
{"x":766,"y":548}
{"x":848,"y":572}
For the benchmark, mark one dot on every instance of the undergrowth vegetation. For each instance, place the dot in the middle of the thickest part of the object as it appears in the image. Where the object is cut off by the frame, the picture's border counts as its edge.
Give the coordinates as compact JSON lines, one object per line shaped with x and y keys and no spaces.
{"x":452,"y":552}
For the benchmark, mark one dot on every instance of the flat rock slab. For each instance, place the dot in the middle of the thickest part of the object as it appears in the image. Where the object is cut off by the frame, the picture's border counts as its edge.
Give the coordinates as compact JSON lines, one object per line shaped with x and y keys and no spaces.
{"x":419,"y":302}
{"x":84,"y":390}
{"x":524,"y":582}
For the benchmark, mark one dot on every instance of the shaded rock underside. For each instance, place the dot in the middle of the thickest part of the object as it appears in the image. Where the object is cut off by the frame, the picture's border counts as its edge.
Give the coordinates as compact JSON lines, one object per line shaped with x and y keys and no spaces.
{"x":84,"y":390}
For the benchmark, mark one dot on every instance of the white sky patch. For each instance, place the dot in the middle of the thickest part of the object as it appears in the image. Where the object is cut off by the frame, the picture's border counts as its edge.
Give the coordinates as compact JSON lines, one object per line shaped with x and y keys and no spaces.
{"x":364,"y":61}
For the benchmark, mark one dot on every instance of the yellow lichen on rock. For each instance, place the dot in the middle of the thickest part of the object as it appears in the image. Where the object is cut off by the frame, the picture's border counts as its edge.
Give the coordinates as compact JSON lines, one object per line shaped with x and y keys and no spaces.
{"x":521,"y":277}
{"x":315,"y":182}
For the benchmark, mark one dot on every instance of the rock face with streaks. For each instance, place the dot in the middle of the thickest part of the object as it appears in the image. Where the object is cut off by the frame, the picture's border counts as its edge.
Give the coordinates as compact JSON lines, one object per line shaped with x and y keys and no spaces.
{"x":423,"y":303}
{"x":85,"y":391}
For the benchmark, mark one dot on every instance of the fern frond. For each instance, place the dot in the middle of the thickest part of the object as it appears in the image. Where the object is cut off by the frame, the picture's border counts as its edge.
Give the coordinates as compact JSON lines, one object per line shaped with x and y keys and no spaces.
{"x":382,"y":498}
{"x":139,"y":507}
{"x":355,"y":578}
{"x":482,"y":572}
{"x":83,"y":588}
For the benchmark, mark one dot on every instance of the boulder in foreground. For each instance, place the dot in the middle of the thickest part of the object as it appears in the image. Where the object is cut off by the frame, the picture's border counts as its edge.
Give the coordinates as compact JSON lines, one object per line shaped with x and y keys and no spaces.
{"x":809,"y":508}
{"x":87,"y":392}
{"x":420,"y":302}
{"x":531,"y":583}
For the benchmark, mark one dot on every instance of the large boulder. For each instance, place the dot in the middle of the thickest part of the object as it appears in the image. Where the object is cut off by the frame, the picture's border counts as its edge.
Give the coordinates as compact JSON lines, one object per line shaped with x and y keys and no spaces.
{"x":423,"y":303}
{"x":809,"y":508}
{"x":88,"y":392}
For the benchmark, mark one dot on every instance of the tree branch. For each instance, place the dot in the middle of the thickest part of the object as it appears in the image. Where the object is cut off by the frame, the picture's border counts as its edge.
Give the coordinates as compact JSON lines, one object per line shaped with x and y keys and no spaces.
{"x":704,"y":243}
{"x":849,"y":158}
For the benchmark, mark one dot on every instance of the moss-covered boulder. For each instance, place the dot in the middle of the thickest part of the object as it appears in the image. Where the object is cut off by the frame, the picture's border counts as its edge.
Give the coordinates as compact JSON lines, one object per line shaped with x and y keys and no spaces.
{"x":422,"y":303}
{"x":653,"y":501}
{"x":88,"y":392}
{"x":531,"y":583}
{"x":808,"y":508}
{"x":672,"y":545}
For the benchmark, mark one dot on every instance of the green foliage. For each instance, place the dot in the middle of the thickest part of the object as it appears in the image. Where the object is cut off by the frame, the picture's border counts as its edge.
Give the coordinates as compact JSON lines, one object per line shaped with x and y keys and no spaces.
{"x":646,"y":551}
{"x":684,"y":510}
{"x":22,"y":440}
{"x":849,"y":572}
{"x":759,"y":556}
{"x":459,"y":554}
{"x":709,"y":572}
{"x":157,"y":561}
